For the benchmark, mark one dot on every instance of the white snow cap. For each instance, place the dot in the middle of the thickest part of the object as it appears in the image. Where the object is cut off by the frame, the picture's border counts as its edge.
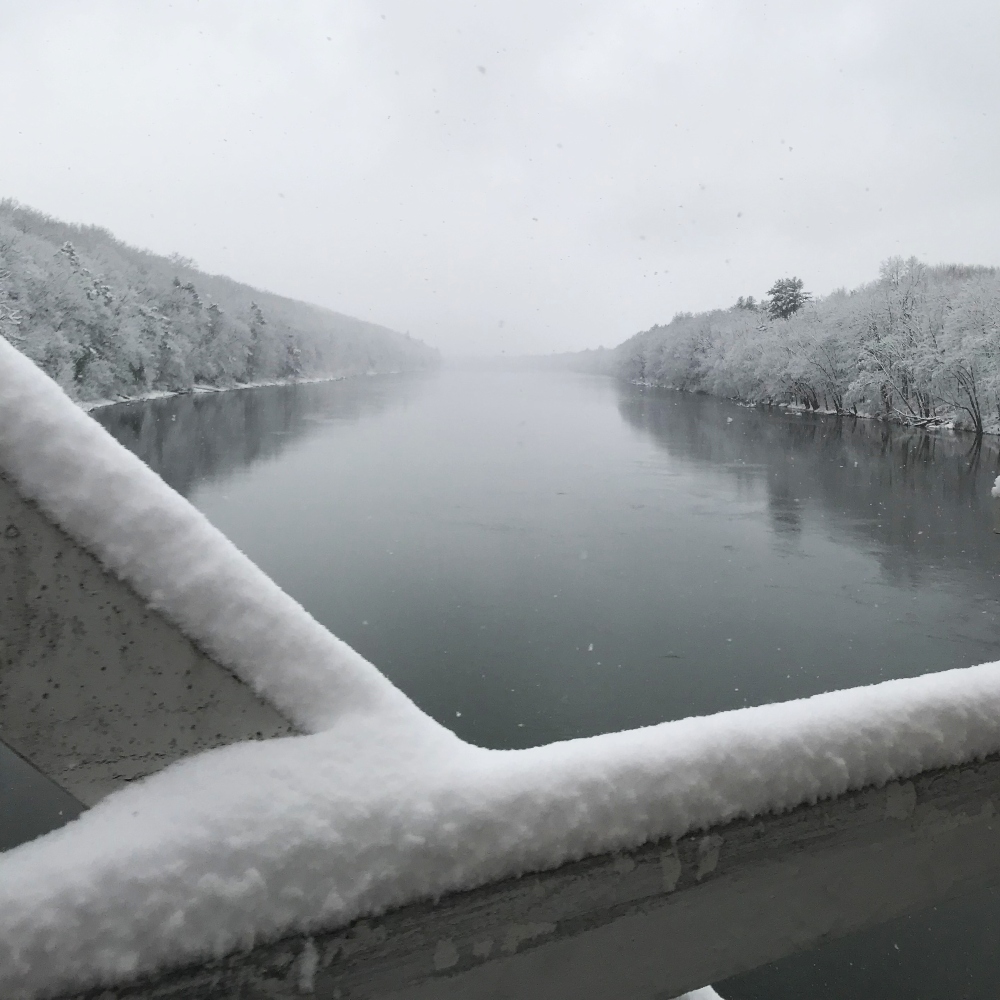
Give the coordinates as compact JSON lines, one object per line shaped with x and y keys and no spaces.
{"x":108,"y":500}
{"x":379,"y":805}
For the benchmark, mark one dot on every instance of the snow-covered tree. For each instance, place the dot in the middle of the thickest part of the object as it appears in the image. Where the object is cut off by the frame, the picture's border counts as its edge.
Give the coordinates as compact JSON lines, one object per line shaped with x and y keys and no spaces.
{"x":920,"y":345}
{"x":107,"y":320}
{"x":785,"y":297}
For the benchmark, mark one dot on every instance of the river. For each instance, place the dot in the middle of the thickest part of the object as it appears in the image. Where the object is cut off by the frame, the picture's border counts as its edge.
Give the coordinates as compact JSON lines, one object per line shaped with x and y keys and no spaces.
{"x":533,"y":557}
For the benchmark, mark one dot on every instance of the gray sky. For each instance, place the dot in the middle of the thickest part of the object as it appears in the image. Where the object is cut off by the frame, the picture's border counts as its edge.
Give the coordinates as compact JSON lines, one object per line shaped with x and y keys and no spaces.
{"x":519,"y":176}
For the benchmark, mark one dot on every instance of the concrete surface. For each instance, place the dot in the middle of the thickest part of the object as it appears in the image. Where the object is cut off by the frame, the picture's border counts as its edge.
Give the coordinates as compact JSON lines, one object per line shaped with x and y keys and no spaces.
{"x":97,"y":689}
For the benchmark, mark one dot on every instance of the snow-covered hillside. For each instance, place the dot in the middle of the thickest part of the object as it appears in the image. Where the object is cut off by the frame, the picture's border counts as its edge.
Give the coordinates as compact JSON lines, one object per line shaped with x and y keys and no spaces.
{"x":108,"y":321}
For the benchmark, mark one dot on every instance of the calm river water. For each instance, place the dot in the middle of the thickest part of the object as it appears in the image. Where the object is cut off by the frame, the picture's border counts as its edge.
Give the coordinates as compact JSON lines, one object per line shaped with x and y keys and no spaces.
{"x":538,"y":556}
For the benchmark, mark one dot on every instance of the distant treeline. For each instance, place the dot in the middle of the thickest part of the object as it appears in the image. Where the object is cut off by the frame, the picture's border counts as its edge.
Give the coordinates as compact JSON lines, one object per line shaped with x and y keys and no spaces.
{"x":107,"y":321}
{"x":921,"y":345}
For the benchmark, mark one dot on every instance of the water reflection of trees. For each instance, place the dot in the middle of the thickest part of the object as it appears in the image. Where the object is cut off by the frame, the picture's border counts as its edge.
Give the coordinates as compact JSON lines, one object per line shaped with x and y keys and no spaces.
{"x":918,"y":500}
{"x":187,"y":439}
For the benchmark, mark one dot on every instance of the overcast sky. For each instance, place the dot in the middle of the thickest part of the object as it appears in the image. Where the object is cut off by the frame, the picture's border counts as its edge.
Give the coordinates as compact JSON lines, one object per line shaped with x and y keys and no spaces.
{"x":519,"y":176}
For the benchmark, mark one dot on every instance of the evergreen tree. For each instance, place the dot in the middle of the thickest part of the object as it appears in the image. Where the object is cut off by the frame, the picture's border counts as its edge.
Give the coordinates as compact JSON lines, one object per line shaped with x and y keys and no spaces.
{"x":786,"y":297}
{"x":255,"y":352}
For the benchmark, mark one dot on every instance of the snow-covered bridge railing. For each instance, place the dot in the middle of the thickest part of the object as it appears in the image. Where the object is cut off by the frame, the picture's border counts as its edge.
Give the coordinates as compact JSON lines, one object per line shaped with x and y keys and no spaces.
{"x":646,"y":924}
{"x":650,"y":861}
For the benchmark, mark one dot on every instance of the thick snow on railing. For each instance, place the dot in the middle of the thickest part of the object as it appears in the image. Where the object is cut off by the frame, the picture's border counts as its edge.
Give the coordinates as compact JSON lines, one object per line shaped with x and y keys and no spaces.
{"x":379,"y":805}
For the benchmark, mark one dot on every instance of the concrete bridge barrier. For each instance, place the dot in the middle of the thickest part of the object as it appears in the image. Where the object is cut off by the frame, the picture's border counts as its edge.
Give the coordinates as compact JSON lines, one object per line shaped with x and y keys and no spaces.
{"x":649,"y":924}
{"x":820,"y":834}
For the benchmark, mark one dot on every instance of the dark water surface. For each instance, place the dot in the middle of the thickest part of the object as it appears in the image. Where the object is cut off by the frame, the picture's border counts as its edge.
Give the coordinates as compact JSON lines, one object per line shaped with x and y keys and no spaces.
{"x":555,"y":556}
{"x":533,"y":557}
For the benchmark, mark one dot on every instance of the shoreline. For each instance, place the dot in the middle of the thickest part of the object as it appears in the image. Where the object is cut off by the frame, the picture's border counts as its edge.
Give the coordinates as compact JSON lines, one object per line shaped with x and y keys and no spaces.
{"x":801,"y":409}
{"x":97,"y":404}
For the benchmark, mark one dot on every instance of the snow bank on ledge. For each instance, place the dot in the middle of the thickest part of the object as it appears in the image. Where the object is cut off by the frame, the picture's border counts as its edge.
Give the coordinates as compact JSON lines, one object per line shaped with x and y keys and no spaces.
{"x":381,"y":806}
{"x":258,"y":839}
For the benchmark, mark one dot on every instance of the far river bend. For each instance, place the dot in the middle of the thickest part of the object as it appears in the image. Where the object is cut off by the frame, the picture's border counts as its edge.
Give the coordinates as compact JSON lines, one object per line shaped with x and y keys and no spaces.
{"x":533,"y":557}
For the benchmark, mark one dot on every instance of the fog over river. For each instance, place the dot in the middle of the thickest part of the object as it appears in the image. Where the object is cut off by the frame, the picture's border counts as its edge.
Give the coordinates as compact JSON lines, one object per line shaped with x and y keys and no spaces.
{"x":534,"y":557}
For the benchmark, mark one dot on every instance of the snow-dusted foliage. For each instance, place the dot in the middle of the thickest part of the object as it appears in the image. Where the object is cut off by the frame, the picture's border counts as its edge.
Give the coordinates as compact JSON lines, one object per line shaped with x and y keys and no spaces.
{"x":920,"y":345}
{"x":378,"y":805}
{"x":108,"y":321}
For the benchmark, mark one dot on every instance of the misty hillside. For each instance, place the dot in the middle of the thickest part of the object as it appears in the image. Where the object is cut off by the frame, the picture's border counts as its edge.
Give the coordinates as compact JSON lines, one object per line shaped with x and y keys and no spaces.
{"x":920,"y":345}
{"x":107,"y":320}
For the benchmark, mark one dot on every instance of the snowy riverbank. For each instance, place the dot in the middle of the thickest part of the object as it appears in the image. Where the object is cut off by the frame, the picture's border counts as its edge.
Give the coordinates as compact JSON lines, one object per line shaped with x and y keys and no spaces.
{"x":801,"y":409}
{"x":917,"y":345}
{"x":96,"y":404}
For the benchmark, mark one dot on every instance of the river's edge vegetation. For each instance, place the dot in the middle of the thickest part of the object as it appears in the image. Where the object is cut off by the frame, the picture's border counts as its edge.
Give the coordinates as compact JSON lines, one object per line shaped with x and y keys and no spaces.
{"x":108,"y":321}
{"x":920,"y":345}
